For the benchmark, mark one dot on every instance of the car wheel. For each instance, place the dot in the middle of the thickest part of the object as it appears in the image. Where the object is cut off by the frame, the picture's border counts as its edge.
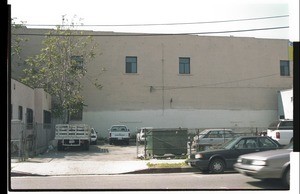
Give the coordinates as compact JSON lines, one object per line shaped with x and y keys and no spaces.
{"x":216,"y":166}
{"x":286,"y":178}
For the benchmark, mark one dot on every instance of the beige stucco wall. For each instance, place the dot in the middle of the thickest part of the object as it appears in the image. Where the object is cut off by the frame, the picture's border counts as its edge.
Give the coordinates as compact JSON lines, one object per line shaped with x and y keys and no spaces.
{"x":35,"y":99}
{"x":226,"y":73}
{"x":230,"y":78}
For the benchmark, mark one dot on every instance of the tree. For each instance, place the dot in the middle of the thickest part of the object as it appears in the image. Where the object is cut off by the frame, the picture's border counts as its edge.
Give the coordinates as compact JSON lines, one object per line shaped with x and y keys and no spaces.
{"x":60,"y":67}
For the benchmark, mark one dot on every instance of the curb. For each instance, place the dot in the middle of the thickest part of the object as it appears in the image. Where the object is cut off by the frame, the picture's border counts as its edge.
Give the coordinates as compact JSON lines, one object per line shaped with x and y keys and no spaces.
{"x":163,"y":170}
{"x":144,"y":171}
{"x":14,"y":174}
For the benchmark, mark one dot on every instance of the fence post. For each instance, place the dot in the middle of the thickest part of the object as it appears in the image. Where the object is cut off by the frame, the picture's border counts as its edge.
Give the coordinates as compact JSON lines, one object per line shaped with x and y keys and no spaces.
{"x":145,"y":143}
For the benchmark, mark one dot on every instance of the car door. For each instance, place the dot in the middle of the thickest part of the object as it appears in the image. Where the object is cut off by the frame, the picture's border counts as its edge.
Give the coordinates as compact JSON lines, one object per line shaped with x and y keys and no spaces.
{"x":244,"y":146}
{"x":211,"y":138}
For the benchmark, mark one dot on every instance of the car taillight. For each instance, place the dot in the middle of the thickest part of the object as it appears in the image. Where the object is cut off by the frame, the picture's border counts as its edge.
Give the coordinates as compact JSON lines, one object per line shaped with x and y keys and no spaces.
{"x":109,"y":134}
{"x":277,"y":135}
{"x":128,"y":134}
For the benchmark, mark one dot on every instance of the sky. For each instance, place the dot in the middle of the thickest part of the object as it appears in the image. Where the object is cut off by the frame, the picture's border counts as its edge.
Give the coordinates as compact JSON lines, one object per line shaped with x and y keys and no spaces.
{"x":124,"y":12}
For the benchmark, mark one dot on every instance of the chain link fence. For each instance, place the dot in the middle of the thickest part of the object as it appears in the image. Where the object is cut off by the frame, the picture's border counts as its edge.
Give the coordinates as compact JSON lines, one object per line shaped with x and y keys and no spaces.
{"x":177,"y":142}
{"x":28,"y":140}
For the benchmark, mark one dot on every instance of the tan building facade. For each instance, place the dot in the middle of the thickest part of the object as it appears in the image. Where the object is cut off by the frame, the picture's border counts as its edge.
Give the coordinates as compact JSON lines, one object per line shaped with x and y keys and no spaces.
{"x":181,"y":81}
{"x":29,"y":105}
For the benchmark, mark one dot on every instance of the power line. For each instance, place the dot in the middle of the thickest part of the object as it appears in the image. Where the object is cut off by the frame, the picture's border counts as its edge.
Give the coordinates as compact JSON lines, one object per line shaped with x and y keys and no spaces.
{"x":165,"y":24}
{"x":213,"y":85}
{"x":155,"y":34}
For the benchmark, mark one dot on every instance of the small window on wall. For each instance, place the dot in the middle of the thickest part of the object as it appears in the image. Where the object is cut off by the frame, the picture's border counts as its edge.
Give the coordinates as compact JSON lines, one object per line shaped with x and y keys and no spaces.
{"x":131,"y":65}
{"x":29,"y":115}
{"x":184,"y":65}
{"x":77,"y":62}
{"x":20,"y":113}
{"x":76,"y":116}
{"x":47,"y":117}
{"x":284,"y":68}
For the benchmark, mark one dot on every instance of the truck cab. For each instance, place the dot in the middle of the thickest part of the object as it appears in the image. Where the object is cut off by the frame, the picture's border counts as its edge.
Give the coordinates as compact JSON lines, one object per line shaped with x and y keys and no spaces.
{"x":281,"y":131}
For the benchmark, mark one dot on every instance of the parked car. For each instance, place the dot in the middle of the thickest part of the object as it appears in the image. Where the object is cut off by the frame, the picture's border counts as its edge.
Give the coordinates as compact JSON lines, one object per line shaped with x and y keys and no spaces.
{"x":281,"y":131}
{"x":119,"y":134}
{"x":94,"y":136}
{"x":140,"y":136}
{"x":217,"y":160}
{"x":210,"y":137}
{"x":267,"y":164}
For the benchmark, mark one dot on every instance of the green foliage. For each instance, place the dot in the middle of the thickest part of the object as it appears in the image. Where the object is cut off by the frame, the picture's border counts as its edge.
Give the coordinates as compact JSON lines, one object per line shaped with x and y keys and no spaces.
{"x":16,"y":44}
{"x":166,"y":165}
{"x":60,"y":67}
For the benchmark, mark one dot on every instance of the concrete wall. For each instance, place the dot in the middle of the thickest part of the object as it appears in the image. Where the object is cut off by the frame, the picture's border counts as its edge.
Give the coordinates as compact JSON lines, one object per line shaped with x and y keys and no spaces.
{"x":188,"y":118}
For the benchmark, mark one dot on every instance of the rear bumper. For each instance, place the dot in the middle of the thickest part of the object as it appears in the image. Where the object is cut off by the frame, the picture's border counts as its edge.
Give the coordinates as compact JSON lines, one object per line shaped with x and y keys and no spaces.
{"x":119,"y":138}
{"x":72,"y":142}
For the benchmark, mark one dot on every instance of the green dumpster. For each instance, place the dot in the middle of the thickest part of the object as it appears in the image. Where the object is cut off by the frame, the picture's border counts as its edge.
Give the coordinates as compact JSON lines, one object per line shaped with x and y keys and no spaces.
{"x":161,"y":141}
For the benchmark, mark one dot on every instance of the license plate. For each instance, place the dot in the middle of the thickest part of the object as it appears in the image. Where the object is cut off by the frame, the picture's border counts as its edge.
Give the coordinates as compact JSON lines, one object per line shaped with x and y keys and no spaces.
{"x":120,"y":138}
{"x":71,"y":141}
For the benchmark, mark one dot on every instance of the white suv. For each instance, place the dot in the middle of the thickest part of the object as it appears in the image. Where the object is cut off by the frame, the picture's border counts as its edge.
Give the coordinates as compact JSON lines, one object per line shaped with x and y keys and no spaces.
{"x":94,"y":136}
{"x":281,"y":131}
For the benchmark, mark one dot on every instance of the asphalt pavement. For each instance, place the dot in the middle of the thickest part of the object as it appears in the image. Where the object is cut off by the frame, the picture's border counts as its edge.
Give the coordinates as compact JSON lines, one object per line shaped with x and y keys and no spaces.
{"x":94,"y":162}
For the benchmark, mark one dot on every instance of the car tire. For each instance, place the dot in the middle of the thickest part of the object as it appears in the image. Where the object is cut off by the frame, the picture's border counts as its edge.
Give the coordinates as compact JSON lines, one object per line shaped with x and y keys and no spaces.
{"x":286,"y":177}
{"x":217,"y":166}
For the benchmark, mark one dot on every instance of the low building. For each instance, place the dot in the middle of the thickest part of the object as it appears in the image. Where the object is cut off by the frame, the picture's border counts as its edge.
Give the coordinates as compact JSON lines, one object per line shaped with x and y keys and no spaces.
{"x":30,"y":114}
{"x":29,"y":105}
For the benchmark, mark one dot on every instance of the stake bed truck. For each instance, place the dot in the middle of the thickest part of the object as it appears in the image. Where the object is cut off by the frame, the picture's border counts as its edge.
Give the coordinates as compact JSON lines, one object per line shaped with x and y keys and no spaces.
{"x":68,"y":135}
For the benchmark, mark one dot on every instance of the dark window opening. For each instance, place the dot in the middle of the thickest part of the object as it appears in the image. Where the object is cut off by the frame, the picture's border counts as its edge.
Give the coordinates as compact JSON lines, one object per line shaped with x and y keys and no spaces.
{"x":284,"y":68}
{"x":20,"y":117}
{"x":77,"y":62}
{"x":131,"y":65}
{"x":29,"y":115}
{"x":47,"y":117}
{"x":76,"y":116}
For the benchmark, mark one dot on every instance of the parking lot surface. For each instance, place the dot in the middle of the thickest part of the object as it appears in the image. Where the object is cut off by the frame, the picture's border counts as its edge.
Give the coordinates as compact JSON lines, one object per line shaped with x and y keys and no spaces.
{"x":99,"y":159}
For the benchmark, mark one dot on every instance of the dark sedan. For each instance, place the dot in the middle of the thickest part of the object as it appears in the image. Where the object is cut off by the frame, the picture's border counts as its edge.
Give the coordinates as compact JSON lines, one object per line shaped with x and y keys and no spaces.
{"x":217,"y":160}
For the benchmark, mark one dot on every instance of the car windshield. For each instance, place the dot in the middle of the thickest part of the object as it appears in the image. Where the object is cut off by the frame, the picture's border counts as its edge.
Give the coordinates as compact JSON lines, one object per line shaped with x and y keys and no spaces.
{"x":118,"y":128}
{"x":229,"y":144}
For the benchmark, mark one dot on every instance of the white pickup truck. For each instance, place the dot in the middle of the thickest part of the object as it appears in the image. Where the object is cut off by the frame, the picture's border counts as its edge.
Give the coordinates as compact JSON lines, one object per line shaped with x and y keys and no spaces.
{"x":119,"y":133}
{"x":281,"y":131}
{"x":72,"y":135}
